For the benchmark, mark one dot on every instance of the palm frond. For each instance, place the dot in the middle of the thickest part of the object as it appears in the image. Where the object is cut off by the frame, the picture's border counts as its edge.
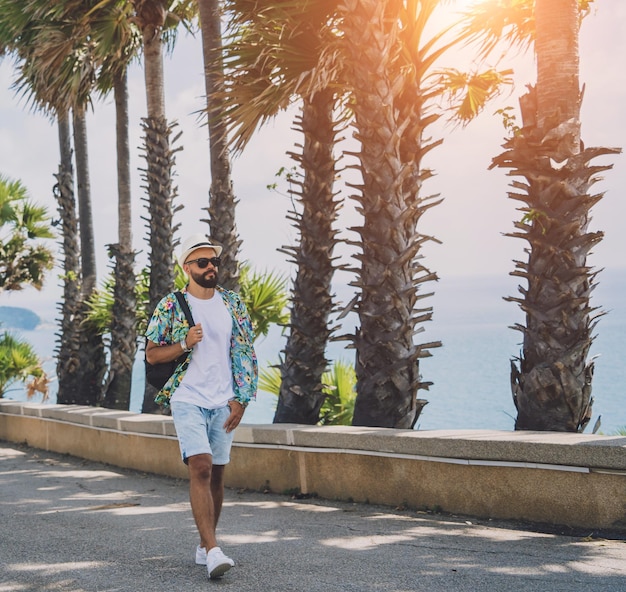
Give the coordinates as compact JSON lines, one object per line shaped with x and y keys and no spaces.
{"x":468,"y":93}
{"x":266,"y":297}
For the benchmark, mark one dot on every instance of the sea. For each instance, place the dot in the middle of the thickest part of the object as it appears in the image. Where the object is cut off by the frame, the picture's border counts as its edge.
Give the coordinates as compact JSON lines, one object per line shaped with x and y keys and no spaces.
{"x":470,"y":372}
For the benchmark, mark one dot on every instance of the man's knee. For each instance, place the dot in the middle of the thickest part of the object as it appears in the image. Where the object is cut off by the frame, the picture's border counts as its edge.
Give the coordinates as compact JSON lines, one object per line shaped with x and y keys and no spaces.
{"x":200,"y":466}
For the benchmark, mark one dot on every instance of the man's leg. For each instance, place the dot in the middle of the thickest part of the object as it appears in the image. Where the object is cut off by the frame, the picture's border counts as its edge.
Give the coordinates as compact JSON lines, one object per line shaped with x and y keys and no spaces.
{"x":217,"y":492}
{"x":203,"y":504}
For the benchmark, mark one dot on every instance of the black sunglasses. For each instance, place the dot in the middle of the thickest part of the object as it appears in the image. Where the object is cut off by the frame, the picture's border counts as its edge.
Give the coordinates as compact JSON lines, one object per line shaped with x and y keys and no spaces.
{"x":203,"y":262}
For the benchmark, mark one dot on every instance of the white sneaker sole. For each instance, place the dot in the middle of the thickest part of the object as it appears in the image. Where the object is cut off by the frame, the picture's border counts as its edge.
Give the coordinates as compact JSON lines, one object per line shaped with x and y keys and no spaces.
{"x":219,"y":570}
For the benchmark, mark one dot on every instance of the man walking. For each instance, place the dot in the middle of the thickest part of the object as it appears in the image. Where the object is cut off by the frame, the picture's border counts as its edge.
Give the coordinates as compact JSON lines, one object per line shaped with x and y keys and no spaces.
{"x":208,"y":393}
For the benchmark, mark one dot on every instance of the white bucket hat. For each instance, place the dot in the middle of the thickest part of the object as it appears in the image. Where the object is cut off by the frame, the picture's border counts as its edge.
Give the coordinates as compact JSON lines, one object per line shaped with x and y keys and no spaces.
{"x":194,"y":242}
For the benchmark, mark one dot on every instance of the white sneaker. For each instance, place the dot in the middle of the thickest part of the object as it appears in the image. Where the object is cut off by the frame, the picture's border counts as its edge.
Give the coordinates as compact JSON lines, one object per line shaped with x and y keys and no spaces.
{"x":217,"y":563}
{"x":200,"y":555}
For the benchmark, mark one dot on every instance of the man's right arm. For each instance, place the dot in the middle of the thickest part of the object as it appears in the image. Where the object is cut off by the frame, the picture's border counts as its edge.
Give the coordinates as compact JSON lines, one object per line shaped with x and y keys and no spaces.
{"x":159,"y":354}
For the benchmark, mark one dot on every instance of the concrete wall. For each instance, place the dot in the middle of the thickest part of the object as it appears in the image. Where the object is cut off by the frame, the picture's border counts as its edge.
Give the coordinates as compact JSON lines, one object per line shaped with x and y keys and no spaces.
{"x":568,"y":479}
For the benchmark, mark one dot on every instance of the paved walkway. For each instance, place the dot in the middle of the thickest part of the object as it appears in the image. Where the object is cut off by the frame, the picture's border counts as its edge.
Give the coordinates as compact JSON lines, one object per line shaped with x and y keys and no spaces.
{"x":73,"y":525}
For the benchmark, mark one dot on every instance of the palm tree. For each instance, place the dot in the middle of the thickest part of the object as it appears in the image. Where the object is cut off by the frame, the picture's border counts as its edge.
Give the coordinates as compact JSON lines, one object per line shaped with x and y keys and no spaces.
{"x":23,"y":262}
{"x":118,"y":42}
{"x":391,"y":96}
{"x":19,"y":363}
{"x":56,"y":72}
{"x":551,"y":380}
{"x":274,"y":54}
{"x":263,"y":293}
{"x":151,"y":18}
{"x":396,"y":90}
{"x":68,"y":351}
{"x":222,"y":201}
{"x":23,"y":259}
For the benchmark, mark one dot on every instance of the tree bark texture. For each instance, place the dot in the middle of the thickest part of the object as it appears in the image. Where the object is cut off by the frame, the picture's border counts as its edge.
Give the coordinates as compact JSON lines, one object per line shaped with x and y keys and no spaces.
{"x":387,"y":364}
{"x":222,"y":200}
{"x":301,"y":396}
{"x":552,"y":378}
{"x":124,"y":313}
{"x":68,"y":340}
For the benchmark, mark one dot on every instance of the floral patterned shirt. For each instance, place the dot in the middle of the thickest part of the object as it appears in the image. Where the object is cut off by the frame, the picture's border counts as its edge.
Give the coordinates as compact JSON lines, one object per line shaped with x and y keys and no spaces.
{"x":169,"y":325}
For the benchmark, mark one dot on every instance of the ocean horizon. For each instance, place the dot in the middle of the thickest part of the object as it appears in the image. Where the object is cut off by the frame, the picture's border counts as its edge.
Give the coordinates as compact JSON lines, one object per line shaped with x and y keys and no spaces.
{"x":470,"y":372}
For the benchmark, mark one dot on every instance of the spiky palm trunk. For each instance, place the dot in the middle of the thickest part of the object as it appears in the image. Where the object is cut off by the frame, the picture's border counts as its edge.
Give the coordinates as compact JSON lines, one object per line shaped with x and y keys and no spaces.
{"x":68,"y":348}
{"x":92,"y":355}
{"x":160,"y":163}
{"x":387,"y":365}
{"x":222,"y":201}
{"x":551,"y":383}
{"x":85,"y":217}
{"x":124,"y":324}
{"x":301,"y":395}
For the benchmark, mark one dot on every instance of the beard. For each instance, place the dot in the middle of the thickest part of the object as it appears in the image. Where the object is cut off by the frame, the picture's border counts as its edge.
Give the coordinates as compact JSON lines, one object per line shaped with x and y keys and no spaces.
{"x":203,"y":281}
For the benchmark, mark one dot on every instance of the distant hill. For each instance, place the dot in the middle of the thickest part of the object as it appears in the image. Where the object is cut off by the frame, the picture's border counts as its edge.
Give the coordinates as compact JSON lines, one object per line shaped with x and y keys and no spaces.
{"x":12,"y":317}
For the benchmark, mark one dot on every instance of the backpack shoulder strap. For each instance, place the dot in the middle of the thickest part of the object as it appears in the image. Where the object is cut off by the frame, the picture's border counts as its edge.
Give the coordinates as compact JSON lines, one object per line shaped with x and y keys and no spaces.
{"x":183,"y":304}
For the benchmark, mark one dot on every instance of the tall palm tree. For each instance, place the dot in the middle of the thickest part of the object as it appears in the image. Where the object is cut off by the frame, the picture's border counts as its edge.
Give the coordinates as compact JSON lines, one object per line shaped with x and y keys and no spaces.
{"x":68,"y":351}
{"x":222,"y":201}
{"x":57,"y":72}
{"x":151,"y":16}
{"x":397,"y":89}
{"x":391,"y":97}
{"x":117,"y":43}
{"x":274,"y":54}
{"x":552,"y":378}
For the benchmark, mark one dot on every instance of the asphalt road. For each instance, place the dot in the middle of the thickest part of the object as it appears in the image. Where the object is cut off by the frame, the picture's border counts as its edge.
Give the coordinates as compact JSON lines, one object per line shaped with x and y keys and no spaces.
{"x":74,"y":525}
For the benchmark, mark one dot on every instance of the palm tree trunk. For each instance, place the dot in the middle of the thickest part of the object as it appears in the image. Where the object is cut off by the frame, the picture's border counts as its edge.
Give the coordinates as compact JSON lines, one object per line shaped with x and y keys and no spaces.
{"x":124,"y":323}
{"x":301,"y":396}
{"x":68,"y":359}
{"x":222,"y":201}
{"x":387,"y":364}
{"x":551,"y":380}
{"x":85,"y":217}
{"x":92,"y":355}
{"x":160,"y":162}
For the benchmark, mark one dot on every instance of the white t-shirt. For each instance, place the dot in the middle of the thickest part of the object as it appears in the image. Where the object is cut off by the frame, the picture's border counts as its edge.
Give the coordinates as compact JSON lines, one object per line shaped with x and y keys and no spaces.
{"x":208,"y":381}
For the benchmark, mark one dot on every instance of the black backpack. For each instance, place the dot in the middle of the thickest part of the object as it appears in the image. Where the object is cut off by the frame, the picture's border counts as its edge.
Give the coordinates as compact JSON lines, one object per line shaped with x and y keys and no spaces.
{"x":158,"y":374}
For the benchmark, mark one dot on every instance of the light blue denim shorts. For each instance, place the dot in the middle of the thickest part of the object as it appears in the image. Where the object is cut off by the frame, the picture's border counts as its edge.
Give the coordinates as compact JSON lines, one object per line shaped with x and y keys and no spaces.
{"x":201,"y":431}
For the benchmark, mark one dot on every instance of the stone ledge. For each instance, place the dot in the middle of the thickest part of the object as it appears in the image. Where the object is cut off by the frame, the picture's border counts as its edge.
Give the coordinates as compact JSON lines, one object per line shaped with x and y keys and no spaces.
{"x":571,"y":479}
{"x":547,"y":448}
{"x":552,"y":448}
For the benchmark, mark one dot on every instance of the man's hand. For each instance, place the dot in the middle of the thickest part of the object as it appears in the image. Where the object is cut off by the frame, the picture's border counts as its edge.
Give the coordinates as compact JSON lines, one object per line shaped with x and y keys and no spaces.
{"x":236,"y":413}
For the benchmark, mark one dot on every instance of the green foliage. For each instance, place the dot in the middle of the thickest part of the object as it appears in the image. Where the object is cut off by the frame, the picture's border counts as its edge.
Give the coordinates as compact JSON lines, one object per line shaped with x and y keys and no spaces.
{"x":288,"y":175}
{"x":468,"y":93}
{"x":269,"y":380}
{"x":508,"y":120}
{"x":339,"y":386}
{"x":18,"y":363}
{"x":537,"y":217}
{"x":23,"y":260}
{"x":266,"y":297}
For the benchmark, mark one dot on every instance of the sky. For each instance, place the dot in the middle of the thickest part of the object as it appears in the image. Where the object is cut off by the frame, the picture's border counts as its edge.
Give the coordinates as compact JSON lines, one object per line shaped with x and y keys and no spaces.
{"x":470,"y":223}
